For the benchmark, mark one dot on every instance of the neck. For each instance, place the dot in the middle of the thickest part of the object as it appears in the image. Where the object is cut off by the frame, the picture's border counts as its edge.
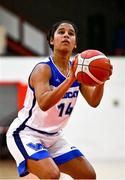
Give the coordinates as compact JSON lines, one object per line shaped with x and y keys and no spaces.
{"x":62,"y":63}
{"x":61,"y":59}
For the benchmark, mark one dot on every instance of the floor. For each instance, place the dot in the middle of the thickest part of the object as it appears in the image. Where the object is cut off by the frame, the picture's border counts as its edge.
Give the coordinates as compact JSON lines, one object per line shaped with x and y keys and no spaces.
{"x":104,"y":170}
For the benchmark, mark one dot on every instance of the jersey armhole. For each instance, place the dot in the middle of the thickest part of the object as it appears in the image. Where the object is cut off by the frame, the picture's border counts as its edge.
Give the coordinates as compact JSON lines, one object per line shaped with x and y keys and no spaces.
{"x":31,"y":74}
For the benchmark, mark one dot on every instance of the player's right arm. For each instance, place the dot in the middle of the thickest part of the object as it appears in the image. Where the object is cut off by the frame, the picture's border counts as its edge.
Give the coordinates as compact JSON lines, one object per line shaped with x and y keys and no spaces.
{"x":45,"y":96}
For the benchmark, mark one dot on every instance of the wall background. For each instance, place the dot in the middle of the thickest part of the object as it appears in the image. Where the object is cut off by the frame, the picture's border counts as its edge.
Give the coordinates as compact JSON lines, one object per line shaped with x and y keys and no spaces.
{"x":98,"y":132}
{"x":101,"y":23}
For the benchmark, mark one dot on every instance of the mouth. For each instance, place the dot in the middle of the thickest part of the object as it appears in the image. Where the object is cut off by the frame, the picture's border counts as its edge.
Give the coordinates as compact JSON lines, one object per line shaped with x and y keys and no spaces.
{"x":66,"y":41}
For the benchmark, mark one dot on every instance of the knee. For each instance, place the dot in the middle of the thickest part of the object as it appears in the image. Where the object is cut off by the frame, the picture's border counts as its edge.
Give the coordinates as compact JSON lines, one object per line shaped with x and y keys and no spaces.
{"x":91,"y":174}
{"x":88,"y":174}
{"x":54,"y":174}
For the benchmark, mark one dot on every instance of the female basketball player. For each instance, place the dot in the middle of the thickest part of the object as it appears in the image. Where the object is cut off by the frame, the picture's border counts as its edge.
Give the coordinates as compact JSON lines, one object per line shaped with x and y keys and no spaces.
{"x":35,"y":138}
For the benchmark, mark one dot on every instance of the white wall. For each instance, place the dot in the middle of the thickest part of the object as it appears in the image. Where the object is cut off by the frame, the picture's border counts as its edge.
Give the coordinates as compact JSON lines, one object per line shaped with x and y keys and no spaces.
{"x":98,"y":132}
{"x":16,"y":69}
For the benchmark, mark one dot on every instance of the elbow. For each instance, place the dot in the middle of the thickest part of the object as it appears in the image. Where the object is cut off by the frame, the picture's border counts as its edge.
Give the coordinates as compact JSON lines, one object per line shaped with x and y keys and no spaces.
{"x":43,"y":107}
{"x":94,"y":104}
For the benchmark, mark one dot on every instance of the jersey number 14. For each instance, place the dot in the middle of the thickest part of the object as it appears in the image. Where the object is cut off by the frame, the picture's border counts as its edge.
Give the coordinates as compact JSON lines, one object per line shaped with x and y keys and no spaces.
{"x":63,"y":110}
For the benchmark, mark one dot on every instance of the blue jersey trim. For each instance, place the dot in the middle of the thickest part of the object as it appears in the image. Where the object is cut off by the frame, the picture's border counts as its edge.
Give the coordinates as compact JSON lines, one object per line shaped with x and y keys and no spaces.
{"x":20,"y":145}
{"x":67,"y":156}
{"x":42,"y":132}
{"x":57,"y":77}
{"x":22,"y":168}
{"x":20,"y":128}
{"x":40,"y":155}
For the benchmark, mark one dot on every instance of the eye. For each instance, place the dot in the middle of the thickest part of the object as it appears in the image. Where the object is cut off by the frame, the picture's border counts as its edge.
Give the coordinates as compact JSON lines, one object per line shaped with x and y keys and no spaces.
{"x":61,"y":32}
{"x":71,"y":33}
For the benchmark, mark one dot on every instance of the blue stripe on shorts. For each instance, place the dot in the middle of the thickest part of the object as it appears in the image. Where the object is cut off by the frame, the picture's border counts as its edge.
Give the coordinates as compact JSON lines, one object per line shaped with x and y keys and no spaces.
{"x":67,"y":156}
{"x":22,"y":169}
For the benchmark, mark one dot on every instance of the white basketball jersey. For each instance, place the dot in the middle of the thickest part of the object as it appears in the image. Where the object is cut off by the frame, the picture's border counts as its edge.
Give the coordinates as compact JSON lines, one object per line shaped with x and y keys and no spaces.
{"x":54,"y":119}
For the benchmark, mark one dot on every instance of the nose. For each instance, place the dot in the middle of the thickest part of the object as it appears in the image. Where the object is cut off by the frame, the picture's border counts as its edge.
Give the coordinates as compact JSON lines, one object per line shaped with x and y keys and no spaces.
{"x":66,"y":35}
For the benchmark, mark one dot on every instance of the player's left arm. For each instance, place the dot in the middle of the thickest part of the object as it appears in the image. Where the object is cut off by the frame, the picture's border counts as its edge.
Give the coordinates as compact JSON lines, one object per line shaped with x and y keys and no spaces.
{"x":92,"y":94}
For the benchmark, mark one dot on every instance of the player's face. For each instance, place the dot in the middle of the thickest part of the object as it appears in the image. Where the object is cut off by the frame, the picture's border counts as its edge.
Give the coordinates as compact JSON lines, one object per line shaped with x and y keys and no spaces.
{"x":64,"y":38}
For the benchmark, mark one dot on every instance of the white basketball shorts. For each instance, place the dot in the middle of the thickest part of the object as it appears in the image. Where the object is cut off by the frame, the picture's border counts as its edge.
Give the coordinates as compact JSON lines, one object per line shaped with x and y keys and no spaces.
{"x":30,"y":144}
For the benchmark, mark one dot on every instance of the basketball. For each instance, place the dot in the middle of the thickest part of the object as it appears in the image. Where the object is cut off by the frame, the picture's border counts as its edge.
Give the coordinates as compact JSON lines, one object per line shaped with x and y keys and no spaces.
{"x":93,"y":67}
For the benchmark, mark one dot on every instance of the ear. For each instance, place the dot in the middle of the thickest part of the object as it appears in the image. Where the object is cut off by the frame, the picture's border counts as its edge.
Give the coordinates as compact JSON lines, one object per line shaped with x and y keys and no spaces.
{"x":75,"y":46}
{"x":51,"y":41}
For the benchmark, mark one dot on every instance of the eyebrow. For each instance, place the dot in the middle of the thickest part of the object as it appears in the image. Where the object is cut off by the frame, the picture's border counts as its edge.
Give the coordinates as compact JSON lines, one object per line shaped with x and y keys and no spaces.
{"x":64,"y":28}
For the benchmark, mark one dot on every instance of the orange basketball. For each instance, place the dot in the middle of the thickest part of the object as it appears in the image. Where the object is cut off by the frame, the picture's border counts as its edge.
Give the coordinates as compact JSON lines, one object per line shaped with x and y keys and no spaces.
{"x":93,"y":67}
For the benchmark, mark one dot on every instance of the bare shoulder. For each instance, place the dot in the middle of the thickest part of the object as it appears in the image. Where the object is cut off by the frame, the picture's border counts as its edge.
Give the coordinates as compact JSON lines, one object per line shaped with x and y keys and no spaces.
{"x":41,"y":68}
{"x":41,"y":73}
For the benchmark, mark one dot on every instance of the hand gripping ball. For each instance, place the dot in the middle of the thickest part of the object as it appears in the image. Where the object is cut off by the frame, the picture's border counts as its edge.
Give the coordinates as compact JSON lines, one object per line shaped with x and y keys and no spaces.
{"x":93,"y":67}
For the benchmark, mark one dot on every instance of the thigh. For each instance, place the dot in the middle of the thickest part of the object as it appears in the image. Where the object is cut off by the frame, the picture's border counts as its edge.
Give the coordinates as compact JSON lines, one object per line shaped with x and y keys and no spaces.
{"x":62,"y":151}
{"x":25,"y":148}
{"x":78,"y":168}
{"x":70,"y":160}
{"x":44,"y":168}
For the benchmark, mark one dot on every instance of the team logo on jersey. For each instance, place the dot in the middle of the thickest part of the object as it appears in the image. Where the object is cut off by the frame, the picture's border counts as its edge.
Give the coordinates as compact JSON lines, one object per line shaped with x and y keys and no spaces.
{"x":57,"y":80}
{"x":71,"y":94}
{"x":36,"y":146}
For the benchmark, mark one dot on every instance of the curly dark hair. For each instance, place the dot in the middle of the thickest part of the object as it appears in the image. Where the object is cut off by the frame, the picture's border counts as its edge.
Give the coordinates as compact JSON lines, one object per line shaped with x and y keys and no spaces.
{"x":54,"y":28}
